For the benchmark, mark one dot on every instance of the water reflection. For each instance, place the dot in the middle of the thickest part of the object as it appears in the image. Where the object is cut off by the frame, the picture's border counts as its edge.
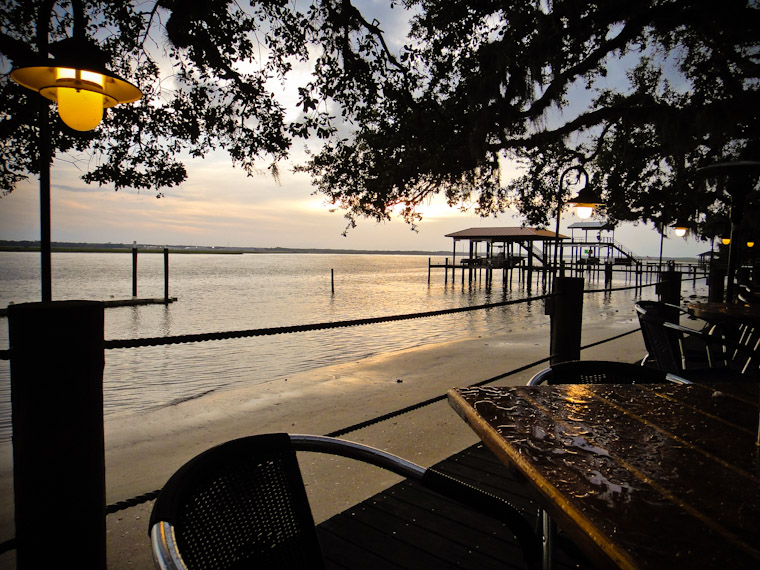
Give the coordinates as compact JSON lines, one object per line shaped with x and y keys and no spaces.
{"x":241,"y":292}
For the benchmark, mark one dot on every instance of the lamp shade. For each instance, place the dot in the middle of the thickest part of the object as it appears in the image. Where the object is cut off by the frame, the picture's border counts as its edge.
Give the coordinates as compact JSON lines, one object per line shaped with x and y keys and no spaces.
{"x":586,"y":201}
{"x":81,"y":86}
{"x":680,"y":228}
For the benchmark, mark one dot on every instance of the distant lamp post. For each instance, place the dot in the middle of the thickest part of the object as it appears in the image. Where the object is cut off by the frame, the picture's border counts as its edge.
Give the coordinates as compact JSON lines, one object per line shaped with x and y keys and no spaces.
{"x":77,"y":79}
{"x":585,"y":202}
{"x":680,"y":228}
{"x":740,"y":178}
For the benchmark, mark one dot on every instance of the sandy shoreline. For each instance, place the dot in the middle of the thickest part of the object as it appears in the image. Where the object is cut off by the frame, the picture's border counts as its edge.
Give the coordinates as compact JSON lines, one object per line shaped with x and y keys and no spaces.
{"x":143,"y":450}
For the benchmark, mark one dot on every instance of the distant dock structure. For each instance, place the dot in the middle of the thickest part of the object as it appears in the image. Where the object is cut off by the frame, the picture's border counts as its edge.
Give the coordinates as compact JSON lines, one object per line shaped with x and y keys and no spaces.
{"x":529,"y":250}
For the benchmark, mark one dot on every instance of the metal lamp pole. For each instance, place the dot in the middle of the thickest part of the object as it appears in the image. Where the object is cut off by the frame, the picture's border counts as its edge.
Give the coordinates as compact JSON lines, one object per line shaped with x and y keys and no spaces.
{"x":57,"y":415}
{"x":560,"y":203}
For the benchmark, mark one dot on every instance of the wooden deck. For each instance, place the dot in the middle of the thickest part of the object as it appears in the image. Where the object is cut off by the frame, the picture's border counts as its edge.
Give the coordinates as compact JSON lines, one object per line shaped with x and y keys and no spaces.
{"x":407,"y":527}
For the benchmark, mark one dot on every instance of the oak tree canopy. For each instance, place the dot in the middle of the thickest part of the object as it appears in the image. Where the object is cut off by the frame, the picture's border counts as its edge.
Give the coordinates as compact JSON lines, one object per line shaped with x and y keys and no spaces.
{"x":640,"y":93}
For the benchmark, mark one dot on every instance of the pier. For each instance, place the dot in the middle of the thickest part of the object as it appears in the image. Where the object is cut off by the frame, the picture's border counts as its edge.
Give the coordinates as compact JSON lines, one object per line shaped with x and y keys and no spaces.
{"x":524,"y":253}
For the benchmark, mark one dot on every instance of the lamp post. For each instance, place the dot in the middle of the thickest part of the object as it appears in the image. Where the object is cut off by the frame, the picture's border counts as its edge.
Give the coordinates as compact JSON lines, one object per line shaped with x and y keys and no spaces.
{"x":739,"y":177}
{"x":585,"y":202}
{"x":78,"y":80}
{"x":57,"y":415}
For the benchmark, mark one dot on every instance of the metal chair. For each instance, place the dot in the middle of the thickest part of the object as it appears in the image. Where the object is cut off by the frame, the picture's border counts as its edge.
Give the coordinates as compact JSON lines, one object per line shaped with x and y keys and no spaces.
{"x":697,"y":355}
{"x":672,"y":347}
{"x":602,"y":372}
{"x":243,"y":503}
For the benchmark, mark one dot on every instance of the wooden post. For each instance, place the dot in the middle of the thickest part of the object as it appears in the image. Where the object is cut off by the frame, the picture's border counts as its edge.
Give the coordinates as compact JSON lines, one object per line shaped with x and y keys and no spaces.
{"x":669,"y":288}
{"x":166,"y":274}
{"x":566,"y":309}
{"x":58,"y":452}
{"x":332,"y":280}
{"x":716,"y":283}
{"x":446,"y":272}
{"x":608,"y":275}
{"x":669,"y":291}
{"x":134,"y":269}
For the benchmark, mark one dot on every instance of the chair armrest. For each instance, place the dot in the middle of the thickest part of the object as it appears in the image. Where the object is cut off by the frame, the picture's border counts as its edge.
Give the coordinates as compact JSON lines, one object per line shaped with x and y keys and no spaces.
{"x":165,"y":551}
{"x":711,"y":339}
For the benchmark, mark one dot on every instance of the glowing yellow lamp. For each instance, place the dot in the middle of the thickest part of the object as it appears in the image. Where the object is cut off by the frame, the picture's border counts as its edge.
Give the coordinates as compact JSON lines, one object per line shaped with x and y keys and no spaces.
{"x":81,"y":94}
{"x":750,"y":244}
{"x":680,"y":231}
{"x":725,"y":240}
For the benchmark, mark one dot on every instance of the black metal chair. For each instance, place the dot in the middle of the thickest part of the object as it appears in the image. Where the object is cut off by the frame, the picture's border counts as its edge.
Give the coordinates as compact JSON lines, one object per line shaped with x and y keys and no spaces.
{"x":697,"y":355}
{"x":602,"y":372}
{"x":243,"y":504}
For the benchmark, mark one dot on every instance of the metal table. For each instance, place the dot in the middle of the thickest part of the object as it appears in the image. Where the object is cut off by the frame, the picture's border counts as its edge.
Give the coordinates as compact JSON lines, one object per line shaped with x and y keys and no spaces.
{"x":726,"y":313}
{"x":638,"y":476}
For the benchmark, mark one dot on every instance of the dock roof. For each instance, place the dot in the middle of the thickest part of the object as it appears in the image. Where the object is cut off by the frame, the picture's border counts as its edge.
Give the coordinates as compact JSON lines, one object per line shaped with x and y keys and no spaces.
{"x":591,"y":226}
{"x":505,"y":234}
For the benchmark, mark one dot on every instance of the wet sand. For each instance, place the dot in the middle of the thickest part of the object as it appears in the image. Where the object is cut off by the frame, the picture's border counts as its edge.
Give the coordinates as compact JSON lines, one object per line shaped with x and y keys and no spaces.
{"x":143,"y":450}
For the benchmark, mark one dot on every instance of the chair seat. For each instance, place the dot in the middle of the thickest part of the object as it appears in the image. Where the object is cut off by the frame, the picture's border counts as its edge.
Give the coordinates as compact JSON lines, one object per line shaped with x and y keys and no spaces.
{"x":602,"y":372}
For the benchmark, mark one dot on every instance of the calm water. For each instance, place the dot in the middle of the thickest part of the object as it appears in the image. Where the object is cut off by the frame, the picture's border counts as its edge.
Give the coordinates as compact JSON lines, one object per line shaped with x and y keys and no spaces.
{"x":236,"y":292}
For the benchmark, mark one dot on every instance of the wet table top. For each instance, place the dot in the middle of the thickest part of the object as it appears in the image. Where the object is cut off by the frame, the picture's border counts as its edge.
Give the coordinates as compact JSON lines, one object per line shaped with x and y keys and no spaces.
{"x":639,"y":476}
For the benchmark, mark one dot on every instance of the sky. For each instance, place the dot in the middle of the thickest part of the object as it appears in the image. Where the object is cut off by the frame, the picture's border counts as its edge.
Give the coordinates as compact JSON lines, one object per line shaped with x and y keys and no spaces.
{"x":220,"y":206}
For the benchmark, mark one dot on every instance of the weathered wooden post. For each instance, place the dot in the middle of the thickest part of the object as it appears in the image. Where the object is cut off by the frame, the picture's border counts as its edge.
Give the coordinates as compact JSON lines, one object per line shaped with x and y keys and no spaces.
{"x":669,"y":287}
{"x":134,"y":269}
{"x":58,"y":451}
{"x":166,"y":274}
{"x":332,"y":280}
{"x":716,"y":282}
{"x":566,"y":309}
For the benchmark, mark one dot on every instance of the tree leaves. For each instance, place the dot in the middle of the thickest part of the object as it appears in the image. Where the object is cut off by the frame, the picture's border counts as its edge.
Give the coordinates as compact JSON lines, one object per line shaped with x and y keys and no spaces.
{"x":492,"y":82}
{"x":641,"y":93}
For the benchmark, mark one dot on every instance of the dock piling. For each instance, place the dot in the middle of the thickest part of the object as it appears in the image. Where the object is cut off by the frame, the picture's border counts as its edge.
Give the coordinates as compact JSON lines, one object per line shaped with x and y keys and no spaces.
{"x":566,"y":310}
{"x":166,"y":274}
{"x":58,"y":441}
{"x":134,"y":269}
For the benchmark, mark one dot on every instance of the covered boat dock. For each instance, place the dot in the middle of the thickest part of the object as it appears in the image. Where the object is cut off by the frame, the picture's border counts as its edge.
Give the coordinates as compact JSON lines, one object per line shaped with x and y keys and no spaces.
{"x":529,"y":249}
{"x":505,"y":248}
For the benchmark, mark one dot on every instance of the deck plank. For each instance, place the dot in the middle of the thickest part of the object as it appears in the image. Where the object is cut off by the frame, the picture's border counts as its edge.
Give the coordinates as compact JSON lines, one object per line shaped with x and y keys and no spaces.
{"x":409,"y":527}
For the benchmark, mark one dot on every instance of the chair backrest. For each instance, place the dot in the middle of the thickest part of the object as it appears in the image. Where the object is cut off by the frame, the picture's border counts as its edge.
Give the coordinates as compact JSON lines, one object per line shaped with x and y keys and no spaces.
{"x":241,"y":502}
{"x":660,"y":341}
{"x":602,"y":372}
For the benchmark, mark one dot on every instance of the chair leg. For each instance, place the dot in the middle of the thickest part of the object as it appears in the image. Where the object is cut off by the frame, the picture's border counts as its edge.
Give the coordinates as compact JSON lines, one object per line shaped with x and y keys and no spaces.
{"x":547,"y":539}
